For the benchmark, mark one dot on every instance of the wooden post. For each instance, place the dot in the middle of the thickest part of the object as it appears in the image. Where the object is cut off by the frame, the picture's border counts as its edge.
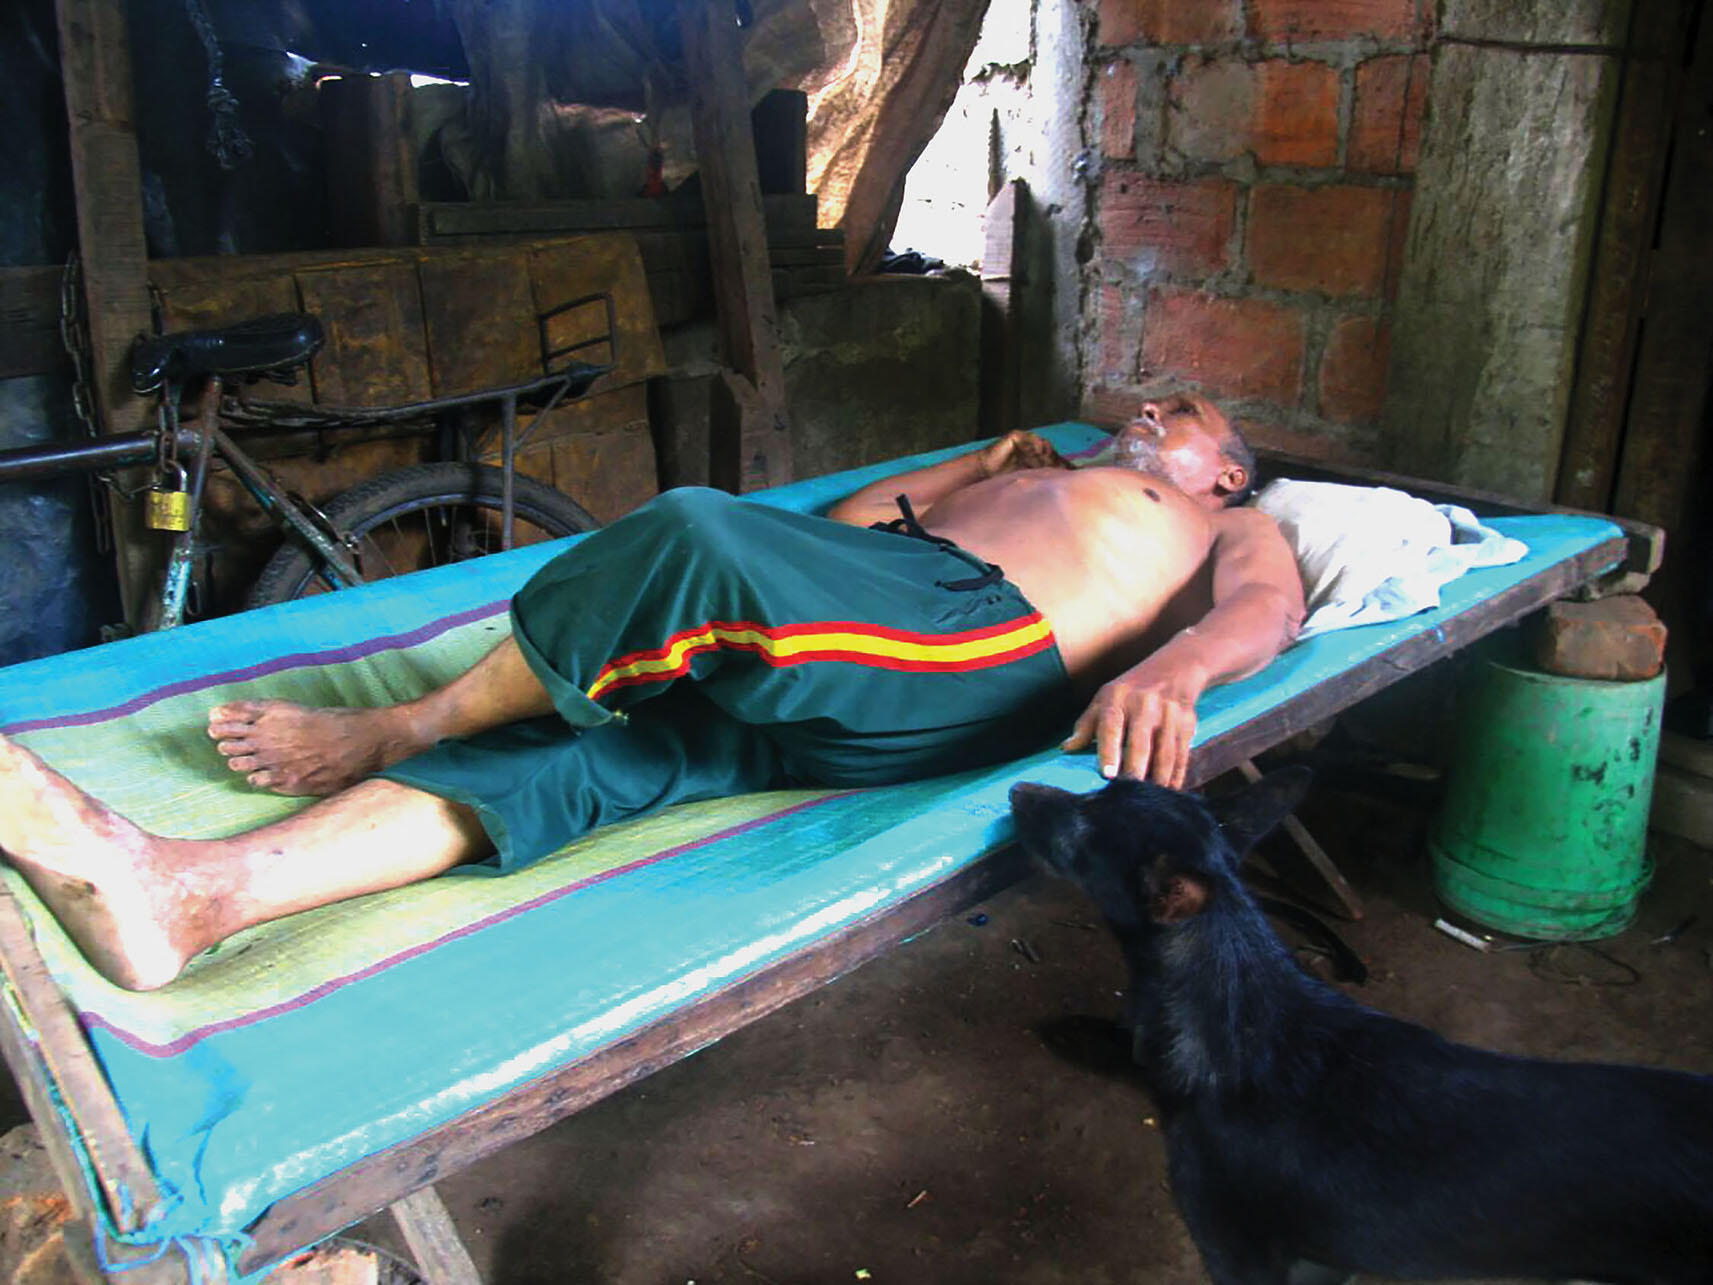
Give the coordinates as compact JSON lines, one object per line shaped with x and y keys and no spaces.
{"x":1003,"y":230}
{"x":372,"y":191}
{"x":95,"y":59}
{"x":1594,"y":432}
{"x":749,"y":436}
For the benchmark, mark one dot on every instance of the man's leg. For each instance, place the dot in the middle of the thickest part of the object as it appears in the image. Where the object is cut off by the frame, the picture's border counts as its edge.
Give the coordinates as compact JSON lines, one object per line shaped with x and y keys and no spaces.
{"x":140,"y":906}
{"x":294,"y":749}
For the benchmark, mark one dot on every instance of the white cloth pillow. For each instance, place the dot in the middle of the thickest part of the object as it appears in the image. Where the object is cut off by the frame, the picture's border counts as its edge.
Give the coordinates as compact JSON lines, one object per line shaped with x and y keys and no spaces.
{"x":1372,"y":553}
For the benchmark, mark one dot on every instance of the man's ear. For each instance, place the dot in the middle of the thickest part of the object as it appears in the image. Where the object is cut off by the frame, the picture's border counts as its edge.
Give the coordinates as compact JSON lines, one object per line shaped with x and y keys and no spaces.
{"x":1232,"y":478}
{"x":1176,"y":896}
{"x":1249,"y":814}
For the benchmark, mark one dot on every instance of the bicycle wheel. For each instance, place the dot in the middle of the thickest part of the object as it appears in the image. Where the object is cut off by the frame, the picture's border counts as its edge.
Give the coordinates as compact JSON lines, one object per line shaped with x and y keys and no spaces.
{"x":423,"y":516}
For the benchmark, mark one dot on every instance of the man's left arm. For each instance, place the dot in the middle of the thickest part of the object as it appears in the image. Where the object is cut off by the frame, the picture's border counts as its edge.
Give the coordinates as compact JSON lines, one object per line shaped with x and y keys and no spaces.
{"x":1141,"y":722}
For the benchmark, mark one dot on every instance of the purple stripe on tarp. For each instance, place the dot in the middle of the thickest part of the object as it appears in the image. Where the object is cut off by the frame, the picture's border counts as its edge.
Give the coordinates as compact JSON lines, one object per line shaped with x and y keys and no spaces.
{"x":91,"y":1020}
{"x":297,"y":660}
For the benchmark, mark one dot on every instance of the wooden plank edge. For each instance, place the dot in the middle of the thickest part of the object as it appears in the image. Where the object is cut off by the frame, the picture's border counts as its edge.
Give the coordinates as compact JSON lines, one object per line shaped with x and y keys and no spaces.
{"x":375,"y":1182}
{"x":126,"y":1180}
{"x":25,"y":1009}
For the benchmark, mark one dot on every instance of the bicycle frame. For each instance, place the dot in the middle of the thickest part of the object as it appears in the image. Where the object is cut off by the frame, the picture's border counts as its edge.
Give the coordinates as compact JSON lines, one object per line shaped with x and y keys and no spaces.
{"x":208,"y":440}
{"x":56,"y":460}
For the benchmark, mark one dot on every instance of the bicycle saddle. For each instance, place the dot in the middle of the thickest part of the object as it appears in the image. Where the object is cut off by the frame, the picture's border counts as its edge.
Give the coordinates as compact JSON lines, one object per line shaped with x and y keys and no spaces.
{"x":264,"y":344}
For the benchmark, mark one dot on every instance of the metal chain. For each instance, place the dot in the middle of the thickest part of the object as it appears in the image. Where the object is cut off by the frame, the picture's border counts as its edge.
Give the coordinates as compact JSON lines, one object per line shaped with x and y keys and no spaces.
{"x":74,"y":334}
{"x":227,"y":141}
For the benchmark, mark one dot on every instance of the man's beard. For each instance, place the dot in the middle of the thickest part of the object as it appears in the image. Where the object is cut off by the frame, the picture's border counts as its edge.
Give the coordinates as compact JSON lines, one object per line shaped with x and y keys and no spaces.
{"x":1135,"y":451}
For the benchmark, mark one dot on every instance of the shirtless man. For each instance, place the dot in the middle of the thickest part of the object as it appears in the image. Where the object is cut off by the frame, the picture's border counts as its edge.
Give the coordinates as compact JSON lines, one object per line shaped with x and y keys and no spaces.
{"x":1132,"y":589}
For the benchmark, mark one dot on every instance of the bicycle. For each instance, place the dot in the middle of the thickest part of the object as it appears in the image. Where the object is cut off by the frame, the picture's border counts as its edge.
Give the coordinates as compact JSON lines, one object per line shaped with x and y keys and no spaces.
{"x":409,"y":518}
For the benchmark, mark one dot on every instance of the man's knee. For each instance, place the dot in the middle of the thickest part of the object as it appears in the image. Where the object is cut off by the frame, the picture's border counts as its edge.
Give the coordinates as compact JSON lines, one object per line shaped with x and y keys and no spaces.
{"x":690,"y":505}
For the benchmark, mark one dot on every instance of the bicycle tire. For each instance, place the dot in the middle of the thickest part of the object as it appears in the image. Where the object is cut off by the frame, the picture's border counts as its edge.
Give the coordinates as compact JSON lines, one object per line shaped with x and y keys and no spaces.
{"x":407,"y":493}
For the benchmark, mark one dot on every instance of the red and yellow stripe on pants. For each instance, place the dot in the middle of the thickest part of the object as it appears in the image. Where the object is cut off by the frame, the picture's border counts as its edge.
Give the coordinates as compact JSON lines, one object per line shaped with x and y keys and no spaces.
{"x":876,"y":646}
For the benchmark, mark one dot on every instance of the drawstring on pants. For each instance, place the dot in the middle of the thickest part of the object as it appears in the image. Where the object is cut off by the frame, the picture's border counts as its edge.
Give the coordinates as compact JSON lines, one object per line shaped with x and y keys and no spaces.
{"x":908,"y":525}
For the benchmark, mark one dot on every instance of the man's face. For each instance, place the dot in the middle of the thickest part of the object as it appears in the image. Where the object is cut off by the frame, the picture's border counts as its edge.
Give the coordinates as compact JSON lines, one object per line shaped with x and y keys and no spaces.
{"x":1180,"y":439}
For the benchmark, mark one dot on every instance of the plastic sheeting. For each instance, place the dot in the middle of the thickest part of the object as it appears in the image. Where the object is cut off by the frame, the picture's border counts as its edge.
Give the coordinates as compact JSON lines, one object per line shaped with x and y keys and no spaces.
{"x":301,"y":1047}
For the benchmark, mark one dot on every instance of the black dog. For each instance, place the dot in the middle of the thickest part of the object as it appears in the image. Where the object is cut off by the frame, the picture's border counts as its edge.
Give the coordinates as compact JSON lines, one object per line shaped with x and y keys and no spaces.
{"x":1301,"y":1126}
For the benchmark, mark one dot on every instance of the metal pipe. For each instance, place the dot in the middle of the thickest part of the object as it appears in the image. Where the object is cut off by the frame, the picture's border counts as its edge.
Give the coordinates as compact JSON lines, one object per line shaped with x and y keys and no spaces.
{"x":62,"y":459}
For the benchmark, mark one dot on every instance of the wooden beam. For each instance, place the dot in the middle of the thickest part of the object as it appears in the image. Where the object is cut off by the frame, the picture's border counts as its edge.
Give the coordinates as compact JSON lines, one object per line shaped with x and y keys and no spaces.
{"x":785,"y":215}
{"x":29,"y":322}
{"x":95,"y":59}
{"x":1635,"y":169}
{"x":758,"y":453}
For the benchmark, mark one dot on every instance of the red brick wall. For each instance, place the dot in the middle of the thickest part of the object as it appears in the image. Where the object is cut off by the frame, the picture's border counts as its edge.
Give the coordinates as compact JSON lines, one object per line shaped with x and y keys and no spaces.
{"x":1257,"y":161}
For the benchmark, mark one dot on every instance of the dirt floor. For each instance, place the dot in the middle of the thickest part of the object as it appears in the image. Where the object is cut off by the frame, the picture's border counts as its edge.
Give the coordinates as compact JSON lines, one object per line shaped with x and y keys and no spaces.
{"x":907,"y":1125}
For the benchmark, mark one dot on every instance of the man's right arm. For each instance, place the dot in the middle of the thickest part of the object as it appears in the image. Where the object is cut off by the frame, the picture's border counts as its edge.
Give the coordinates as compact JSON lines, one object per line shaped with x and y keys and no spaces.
{"x":878,"y":501}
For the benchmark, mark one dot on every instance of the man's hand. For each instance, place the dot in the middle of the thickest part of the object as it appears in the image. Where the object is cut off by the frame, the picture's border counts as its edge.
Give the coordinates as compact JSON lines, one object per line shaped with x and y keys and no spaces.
{"x":1141,"y":722}
{"x":1019,"y":450}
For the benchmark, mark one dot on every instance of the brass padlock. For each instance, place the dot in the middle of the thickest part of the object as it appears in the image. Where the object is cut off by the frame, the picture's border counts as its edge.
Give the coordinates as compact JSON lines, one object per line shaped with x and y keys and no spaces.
{"x":166,"y":509}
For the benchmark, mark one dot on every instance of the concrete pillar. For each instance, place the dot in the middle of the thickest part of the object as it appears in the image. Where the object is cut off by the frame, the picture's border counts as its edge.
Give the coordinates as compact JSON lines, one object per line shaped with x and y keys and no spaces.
{"x":1496,"y":265}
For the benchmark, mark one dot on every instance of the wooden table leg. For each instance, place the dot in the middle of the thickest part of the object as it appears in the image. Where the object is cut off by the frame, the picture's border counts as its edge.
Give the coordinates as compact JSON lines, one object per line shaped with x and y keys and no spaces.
{"x":434,"y":1241}
{"x":1316,"y":854}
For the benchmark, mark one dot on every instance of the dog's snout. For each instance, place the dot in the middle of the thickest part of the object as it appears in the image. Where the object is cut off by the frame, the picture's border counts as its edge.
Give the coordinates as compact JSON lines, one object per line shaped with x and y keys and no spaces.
{"x":1023,"y":794}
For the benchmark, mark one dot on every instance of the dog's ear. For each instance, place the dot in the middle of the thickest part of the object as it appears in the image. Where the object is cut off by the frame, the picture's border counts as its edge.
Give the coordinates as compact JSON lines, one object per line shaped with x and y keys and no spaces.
{"x":1173,"y":896}
{"x":1249,"y":814}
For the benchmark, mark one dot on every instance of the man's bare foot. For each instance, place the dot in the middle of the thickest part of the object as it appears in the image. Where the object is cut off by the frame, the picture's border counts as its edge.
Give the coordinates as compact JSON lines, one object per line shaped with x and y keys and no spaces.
{"x":296,"y":749}
{"x":111,"y":886}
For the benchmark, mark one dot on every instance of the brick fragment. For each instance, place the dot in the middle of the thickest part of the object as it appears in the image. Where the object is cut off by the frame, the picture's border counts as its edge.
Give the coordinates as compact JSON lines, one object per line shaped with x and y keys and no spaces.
{"x":1332,"y":239}
{"x":1230,"y":347}
{"x":1168,"y":22}
{"x":1618,"y":638}
{"x":1155,"y":226}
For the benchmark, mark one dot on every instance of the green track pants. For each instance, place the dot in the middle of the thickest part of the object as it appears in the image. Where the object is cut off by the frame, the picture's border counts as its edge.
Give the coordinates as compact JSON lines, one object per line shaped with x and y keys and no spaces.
{"x":705,"y":646}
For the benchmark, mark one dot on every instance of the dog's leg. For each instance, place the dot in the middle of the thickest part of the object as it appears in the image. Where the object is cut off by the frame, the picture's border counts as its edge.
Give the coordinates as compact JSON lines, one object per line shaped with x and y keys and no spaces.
{"x":1233,"y":1250}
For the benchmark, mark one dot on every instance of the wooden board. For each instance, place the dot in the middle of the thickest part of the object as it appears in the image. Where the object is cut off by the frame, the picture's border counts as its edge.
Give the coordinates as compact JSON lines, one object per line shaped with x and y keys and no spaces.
{"x":377,"y":350}
{"x":442,"y":221}
{"x":29,"y":322}
{"x":473,"y":315}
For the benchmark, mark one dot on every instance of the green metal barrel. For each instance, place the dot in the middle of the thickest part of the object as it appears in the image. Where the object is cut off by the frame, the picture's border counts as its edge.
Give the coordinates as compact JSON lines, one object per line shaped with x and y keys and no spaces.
{"x":1543,"y":829}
